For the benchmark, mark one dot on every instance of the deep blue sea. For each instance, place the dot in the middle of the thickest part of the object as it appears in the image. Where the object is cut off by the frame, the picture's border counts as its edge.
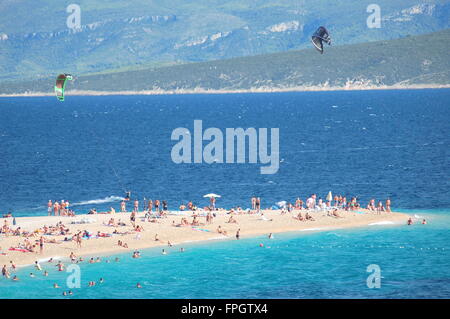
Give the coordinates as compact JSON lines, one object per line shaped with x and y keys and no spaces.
{"x":380,"y":144}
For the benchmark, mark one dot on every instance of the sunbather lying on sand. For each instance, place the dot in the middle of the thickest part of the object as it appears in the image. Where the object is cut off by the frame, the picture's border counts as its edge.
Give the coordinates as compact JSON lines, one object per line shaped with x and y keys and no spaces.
{"x":334,"y":214}
{"x":231,"y":220}
{"x":265,"y":218}
{"x":116,"y":232}
{"x":299,"y":217}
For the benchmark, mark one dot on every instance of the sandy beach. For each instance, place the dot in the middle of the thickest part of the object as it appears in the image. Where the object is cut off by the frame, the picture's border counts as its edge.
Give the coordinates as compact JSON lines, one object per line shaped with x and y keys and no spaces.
{"x":249,"y":224}
{"x":199,"y":90}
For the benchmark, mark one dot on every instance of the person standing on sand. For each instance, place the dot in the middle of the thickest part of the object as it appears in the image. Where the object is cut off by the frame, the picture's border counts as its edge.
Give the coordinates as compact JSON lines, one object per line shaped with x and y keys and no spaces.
{"x":133,"y":218}
{"x":238,"y":233}
{"x":253,"y":203}
{"x":298,"y":203}
{"x":380,"y":208}
{"x":123,"y":207}
{"x":388,"y":205}
{"x":136,"y":205}
{"x":78,"y":240}
{"x":41,"y":244}
{"x":157,"y":205}
{"x":344,"y":203}
{"x":49,"y":207}
{"x":56,"y":209}
{"x":62,"y":208}
{"x":150,"y":205}
{"x":258,"y":204}
{"x":310,"y":203}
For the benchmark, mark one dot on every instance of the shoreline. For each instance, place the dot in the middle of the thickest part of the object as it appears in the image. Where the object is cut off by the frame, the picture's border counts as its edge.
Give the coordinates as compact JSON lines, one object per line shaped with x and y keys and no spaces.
{"x":251,"y":225}
{"x":235,"y":91}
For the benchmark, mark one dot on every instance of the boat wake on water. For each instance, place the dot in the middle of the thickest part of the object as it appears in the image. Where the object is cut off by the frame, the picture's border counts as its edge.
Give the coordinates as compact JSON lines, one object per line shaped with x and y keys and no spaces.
{"x":109,"y":199}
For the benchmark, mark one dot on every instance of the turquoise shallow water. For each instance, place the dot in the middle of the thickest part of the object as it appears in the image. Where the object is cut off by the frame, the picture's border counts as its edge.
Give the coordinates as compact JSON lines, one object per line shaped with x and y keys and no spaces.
{"x":414,"y":262}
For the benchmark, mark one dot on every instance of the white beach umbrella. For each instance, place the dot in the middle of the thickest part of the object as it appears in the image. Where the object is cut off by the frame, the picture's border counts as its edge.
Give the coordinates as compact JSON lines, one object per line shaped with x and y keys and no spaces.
{"x":211,"y":195}
{"x":329,"y":196}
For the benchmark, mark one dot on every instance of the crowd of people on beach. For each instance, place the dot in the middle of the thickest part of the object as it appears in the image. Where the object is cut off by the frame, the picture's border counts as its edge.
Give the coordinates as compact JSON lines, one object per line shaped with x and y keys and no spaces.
{"x":59,"y":208}
{"x":159,"y":208}
{"x":34,"y":241}
{"x":153,"y":211}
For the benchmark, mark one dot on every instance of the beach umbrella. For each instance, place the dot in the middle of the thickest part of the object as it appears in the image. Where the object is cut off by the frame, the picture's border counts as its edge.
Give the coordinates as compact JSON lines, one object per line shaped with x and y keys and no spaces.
{"x":329,"y":196}
{"x":211,"y":195}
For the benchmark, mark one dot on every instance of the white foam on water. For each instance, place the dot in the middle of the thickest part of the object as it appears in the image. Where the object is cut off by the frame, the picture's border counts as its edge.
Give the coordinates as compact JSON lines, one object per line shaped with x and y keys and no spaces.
{"x":315,"y":228}
{"x":109,"y":199}
{"x":44,"y":260}
{"x":384,"y":222}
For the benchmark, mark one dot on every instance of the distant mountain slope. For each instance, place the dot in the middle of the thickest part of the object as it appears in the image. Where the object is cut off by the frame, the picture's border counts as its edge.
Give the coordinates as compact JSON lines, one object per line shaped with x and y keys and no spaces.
{"x":412,"y":60}
{"x":35,"y":41}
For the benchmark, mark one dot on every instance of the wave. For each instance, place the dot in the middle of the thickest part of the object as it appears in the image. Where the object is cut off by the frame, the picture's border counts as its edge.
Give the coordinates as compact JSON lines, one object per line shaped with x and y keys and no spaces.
{"x":109,"y":199}
{"x":384,"y":222}
{"x":314,"y":228}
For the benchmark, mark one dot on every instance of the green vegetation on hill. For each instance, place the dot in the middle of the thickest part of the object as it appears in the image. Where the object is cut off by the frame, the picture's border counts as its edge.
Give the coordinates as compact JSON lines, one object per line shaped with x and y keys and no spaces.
{"x":124,"y":35}
{"x":412,"y":60}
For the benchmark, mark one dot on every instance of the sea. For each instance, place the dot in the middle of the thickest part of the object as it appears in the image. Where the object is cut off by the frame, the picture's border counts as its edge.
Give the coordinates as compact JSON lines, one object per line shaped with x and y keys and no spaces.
{"x":378,"y":144}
